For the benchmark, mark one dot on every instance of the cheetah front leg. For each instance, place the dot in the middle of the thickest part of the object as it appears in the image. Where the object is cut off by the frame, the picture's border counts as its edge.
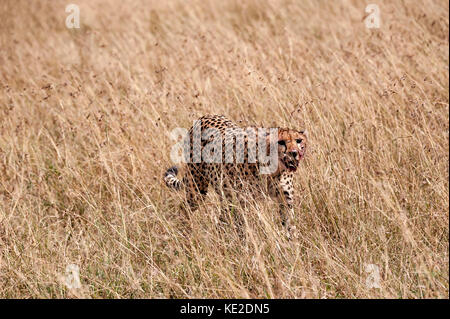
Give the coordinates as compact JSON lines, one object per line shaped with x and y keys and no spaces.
{"x":286,"y":202}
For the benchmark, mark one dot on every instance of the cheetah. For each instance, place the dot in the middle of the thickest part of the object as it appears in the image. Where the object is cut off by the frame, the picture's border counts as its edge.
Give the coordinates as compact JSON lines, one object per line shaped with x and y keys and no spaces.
{"x":230,"y":174}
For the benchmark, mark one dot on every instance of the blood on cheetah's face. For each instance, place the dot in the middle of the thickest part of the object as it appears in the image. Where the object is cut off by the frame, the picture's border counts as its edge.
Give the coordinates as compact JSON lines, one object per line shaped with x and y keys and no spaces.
{"x":291,"y":148}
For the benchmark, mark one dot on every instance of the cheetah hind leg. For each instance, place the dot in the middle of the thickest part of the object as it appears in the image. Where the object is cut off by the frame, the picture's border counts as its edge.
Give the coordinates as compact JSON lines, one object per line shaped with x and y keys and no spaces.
{"x":230,"y":213}
{"x":196,"y":190}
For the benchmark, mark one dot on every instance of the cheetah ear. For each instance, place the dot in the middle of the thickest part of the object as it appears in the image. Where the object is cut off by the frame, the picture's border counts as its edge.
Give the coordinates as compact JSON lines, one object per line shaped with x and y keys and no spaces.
{"x":304,"y":132}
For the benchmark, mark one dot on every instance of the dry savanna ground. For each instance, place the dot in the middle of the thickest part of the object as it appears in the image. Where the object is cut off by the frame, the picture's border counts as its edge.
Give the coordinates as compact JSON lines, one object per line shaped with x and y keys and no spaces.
{"x":85,"y":117}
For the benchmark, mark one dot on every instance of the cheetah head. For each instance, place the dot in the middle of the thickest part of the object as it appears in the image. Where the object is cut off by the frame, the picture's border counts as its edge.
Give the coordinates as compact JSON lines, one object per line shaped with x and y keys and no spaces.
{"x":291,"y":148}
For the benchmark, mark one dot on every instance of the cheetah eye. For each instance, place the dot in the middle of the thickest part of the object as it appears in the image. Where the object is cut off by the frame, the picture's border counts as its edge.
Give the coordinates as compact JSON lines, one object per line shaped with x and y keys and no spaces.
{"x":299,"y":141}
{"x":282,"y":143}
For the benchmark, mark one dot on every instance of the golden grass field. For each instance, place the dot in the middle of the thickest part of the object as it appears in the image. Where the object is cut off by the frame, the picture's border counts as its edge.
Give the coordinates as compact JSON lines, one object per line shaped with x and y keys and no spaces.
{"x":85,"y":117}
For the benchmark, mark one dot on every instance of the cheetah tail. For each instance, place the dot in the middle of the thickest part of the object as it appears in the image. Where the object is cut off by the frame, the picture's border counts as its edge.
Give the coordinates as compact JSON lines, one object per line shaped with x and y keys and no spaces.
{"x":170,"y":177}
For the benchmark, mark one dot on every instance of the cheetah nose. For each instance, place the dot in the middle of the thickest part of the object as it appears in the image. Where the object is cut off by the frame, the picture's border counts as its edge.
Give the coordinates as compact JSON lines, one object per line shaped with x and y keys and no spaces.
{"x":294,"y":153}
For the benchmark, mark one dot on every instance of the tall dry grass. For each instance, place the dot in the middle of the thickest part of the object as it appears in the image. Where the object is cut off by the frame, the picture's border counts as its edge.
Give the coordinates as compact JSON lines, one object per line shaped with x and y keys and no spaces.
{"x":84,"y":122}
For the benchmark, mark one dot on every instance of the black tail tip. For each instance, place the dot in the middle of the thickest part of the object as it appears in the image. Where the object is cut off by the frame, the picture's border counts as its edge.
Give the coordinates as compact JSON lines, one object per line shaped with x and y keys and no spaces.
{"x":171,"y":171}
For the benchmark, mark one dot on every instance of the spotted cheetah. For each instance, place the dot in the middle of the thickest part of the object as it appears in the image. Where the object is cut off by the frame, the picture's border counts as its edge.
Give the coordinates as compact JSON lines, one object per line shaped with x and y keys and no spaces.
{"x":230,"y":176}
